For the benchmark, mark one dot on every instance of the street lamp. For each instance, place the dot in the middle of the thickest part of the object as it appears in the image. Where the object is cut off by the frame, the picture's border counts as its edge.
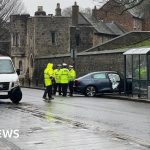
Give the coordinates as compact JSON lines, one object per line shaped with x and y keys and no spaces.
{"x":77,"y":36}
{"x":77,"y":43}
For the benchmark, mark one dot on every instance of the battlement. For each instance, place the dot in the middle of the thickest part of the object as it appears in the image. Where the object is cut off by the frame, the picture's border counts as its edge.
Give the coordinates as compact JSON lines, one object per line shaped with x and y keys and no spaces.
{"x":19,"y":17}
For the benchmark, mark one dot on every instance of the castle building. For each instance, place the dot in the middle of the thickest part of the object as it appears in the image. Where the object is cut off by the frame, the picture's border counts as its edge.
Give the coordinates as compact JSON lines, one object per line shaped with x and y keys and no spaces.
{"x":50,"y":35}
{"x":39,"y":35}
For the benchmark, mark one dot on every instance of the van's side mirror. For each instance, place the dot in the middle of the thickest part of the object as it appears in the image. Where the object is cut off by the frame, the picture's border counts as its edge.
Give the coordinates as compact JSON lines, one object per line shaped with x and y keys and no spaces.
{"x":18,"y":72}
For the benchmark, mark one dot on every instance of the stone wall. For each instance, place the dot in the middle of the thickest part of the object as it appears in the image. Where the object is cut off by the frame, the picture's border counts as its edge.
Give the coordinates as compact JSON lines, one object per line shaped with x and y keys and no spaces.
{"x":5,"y":47}
{"x":18,"y":24}
{"x":128,"y":39}
{"x":85,"y":36}
{"x":85,"y":63}
{"x":44,"y":27}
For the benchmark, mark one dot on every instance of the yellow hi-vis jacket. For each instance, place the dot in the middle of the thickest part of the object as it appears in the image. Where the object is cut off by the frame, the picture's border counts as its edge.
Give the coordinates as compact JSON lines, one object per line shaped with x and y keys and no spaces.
{"x":64,"y":76}
{"x":72,"y":75}
{"x":57,"y":75}
{"x":48,"y":73}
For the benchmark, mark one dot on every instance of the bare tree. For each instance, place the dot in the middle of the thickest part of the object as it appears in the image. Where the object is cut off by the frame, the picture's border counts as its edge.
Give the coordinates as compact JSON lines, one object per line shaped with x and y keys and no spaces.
{"x":67,"y":11}
{"x":8,"y":7}
{"x":128,"y":4}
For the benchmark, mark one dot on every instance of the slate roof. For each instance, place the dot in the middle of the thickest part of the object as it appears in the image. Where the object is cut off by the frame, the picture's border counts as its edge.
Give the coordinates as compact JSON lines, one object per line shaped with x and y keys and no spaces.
{"x":100,"y":26}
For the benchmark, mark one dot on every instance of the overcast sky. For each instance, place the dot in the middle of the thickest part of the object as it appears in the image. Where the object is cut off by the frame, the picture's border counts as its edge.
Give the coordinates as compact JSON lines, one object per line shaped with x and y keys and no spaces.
{"x":50,"y":5}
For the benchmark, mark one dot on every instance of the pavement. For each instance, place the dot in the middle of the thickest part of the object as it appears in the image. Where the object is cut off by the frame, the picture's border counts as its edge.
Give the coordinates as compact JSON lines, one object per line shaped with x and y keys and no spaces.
{"x":123,"y":97}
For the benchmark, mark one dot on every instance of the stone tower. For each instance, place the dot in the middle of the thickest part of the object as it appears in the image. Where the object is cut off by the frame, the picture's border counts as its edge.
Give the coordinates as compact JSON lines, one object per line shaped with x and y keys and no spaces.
{"x":18,"y":31}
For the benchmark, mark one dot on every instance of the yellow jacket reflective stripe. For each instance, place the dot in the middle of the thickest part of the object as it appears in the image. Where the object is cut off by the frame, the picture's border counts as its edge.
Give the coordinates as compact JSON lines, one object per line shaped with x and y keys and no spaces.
{"x":48,"y":72}
{"x":64,"y":75}
{"x":57,"y":75}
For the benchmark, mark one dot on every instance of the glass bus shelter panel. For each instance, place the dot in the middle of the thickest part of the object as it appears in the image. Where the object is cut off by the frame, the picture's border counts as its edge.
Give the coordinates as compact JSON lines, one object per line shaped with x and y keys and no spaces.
{"x":135,"y":87}
{"x":136,"y":67}
{"x":143,"y":67}
{"x":143,"y":88}
{"x":148,"y":69}
{"x":128,"y":66}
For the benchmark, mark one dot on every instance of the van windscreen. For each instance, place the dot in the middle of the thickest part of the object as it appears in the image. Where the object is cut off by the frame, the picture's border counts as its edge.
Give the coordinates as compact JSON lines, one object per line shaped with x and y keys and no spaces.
{"x":6,"y":66}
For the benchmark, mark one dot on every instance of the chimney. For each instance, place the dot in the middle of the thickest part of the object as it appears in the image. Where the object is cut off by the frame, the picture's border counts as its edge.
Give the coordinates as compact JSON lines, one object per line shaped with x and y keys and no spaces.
{"x":40,"y":8}
{"x":94,"y":12}
{"x":75,"y":13}
{"x":58,"y":10}
{"x":40,"y":11}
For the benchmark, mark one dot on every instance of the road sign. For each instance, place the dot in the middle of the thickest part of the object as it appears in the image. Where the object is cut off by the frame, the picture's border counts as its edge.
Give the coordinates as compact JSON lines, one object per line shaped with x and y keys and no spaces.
{"x":73,"y":53}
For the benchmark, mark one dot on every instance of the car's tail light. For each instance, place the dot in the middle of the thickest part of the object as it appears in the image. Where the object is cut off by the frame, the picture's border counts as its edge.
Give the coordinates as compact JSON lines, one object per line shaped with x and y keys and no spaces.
{"x":77,"y":83}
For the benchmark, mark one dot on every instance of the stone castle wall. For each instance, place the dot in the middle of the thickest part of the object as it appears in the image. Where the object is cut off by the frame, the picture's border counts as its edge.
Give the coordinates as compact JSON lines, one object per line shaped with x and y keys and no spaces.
{"x":85,"y":63}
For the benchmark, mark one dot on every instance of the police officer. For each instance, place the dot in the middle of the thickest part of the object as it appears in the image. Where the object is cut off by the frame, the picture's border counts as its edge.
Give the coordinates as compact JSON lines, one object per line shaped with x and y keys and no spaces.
{"x":57,"y":76}
{"x":64,"y":79}
{"x":48,"y":77}
{"x":72,"y":76}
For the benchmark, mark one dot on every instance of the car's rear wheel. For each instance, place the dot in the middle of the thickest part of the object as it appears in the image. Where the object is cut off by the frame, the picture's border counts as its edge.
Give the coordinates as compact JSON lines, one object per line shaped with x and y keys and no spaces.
{"x":90,"y":91}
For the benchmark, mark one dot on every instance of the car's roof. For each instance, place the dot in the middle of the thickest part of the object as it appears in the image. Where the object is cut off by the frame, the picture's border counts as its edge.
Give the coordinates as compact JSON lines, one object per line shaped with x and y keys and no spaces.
{"x":5,"y":57}
{"x":97,"y":72}
{"x":103,"y":72}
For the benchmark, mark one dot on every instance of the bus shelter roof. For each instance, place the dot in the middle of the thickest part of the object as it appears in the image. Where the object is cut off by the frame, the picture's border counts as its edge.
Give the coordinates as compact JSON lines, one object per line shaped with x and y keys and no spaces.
{"x":137,"y":51}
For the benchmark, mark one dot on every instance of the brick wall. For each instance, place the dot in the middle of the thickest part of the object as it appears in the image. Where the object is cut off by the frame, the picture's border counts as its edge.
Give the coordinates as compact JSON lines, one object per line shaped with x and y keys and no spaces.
{"x":112,"y":12}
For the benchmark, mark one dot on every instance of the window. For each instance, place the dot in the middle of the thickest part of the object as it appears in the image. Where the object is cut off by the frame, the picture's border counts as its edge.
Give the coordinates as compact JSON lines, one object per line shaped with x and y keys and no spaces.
{"x":128,"y":66}
{"x":53,"y":35}
{"x":143,"y":67}
{"x":6,"y":66}
{"x":15,"y":39}
{"x":20,"y":65}
{"x":99,"y":76}
{"x":136,"y":68}
{"x":115,"y":80}
{"x":31,"y":61}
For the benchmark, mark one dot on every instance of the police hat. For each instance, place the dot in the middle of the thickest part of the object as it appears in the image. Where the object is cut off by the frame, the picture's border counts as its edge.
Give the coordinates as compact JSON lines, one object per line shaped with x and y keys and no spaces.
{"x":70,"y":66}
{"x":59,"y":65}
{"x":64,"y":64}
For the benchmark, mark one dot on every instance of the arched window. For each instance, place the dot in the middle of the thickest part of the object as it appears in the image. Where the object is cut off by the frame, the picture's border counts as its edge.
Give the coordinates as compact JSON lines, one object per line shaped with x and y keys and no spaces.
{"x":31,"y":61}
{"x":20,"y":65}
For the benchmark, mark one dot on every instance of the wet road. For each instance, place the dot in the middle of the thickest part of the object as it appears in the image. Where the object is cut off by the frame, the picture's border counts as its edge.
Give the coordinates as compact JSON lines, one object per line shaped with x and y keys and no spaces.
{"x":75,"y":122}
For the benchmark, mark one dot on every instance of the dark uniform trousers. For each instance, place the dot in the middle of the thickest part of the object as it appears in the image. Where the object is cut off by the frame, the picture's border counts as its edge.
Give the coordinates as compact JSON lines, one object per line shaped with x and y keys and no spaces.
{"x":64,"y":88}
{"x":48,"y":91}
{"x":57,"y":86}
{"x":71,"y":83}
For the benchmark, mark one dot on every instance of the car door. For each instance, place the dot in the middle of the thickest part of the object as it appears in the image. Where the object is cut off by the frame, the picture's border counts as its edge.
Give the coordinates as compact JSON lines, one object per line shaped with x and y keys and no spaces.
{"x":115,"y":80}
{"x":102,"y":82}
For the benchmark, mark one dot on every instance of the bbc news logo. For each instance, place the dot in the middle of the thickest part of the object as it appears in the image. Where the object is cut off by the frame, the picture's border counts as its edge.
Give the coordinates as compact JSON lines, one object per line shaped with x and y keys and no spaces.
{"x":9,"y":133}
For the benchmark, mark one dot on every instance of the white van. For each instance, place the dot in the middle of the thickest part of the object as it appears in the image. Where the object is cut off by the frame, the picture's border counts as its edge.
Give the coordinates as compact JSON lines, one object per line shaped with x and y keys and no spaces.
{"x":9,"y":80}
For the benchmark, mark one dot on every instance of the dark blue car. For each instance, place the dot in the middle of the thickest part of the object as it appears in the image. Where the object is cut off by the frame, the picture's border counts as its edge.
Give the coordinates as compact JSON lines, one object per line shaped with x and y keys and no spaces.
{"x":98,"y":82}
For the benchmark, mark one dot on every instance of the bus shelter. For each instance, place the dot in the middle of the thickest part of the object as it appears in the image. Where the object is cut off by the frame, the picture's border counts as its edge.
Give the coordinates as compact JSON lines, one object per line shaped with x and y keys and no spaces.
{"x":137,"y":71}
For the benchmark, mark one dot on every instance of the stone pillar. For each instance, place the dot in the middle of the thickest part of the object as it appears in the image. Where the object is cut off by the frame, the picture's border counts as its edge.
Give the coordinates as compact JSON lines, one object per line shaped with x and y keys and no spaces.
{"x":58,"y":10}
{"x":75,"y":13}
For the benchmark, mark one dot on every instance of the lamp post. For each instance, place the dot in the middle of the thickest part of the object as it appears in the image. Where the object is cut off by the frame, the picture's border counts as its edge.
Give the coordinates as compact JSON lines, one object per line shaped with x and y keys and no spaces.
{"x":77,"y":42}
